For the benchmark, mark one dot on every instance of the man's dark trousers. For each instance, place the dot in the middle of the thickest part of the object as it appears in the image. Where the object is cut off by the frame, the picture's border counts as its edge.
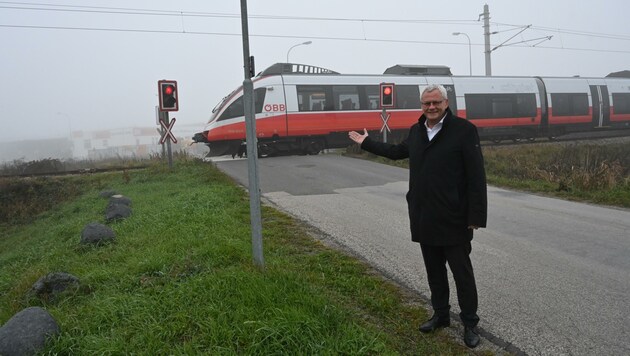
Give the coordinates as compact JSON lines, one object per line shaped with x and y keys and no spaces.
{"x":458,"y":258}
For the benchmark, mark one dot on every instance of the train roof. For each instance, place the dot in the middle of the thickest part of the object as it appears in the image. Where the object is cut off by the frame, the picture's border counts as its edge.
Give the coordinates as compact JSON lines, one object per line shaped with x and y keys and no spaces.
{"x":295,"y":68}
{"x":620,"y":74}
{"x":409,"y":69}
{"x":398,"y":69}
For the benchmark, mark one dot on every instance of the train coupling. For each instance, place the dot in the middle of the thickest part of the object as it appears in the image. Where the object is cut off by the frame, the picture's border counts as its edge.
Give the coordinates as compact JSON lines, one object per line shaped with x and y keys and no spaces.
{"x":200,"y":137}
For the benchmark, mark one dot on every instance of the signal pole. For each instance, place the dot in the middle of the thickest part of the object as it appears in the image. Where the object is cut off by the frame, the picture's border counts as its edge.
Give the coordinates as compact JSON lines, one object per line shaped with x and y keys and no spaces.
{"x":169,"y":101}
{"x":252,"y":144}
{"x":168,"y":143}
{"x":386,"y":94}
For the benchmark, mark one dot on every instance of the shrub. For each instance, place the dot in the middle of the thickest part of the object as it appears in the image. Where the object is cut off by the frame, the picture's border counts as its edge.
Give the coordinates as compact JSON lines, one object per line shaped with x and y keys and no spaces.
{"x":24,"y":198}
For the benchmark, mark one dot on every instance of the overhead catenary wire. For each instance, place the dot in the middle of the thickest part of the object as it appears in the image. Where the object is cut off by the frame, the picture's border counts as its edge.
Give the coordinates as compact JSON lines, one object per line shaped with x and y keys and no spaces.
{"x":569,"y":32}
{"x":133,"y":11}
{"x":39,"y":6}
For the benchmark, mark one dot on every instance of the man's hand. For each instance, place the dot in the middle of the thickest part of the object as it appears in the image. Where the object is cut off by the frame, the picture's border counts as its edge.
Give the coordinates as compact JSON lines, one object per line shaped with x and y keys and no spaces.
{"x":357,"y":137}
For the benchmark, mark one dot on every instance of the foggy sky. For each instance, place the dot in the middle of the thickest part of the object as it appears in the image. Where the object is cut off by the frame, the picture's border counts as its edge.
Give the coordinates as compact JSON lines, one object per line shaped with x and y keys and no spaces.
{"x":97,"y":67}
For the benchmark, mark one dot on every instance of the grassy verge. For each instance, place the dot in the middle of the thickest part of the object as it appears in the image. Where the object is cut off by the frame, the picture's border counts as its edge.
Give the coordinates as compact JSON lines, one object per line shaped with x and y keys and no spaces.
{"x":585,"y":171}
{"x":180,"y":279}
{"x":589,"y":172}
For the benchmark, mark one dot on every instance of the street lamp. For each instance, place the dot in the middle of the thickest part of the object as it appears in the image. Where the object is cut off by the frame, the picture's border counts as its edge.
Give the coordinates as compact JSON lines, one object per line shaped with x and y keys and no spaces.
{"x":469,"y":50}
{"x":299,"y":44}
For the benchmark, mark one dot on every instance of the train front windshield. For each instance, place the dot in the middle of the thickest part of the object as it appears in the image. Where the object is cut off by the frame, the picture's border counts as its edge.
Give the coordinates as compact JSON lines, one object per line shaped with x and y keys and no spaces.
{"x":218,"y":108}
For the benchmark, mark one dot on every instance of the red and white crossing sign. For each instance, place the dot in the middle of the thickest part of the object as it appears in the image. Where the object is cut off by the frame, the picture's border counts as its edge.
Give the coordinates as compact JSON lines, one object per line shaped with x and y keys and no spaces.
{"x":167,"y":132}
{"x":385,"y":117}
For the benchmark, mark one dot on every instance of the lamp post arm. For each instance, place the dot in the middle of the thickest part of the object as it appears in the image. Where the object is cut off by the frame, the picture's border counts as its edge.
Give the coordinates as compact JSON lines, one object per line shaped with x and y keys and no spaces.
{"x":469,"y":54}
{"x":299,"y":44}
{"x":469,"y":49}
{"x":289,"y":51}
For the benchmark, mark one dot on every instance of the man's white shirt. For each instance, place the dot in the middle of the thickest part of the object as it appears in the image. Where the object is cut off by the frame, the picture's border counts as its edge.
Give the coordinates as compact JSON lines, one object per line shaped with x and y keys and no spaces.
{"x":431,"y":132}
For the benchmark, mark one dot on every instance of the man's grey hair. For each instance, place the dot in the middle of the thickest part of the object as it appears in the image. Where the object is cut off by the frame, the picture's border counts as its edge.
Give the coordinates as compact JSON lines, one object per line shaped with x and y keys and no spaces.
{"x":433,"y":87}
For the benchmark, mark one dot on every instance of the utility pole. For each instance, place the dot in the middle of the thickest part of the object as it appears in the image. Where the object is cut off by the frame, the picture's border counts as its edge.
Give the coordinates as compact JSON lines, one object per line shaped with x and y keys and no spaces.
{"x":252,"y":144}
{"x":486,"y":36}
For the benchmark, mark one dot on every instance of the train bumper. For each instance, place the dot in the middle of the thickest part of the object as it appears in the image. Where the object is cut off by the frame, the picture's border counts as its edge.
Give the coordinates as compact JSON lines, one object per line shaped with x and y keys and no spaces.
{"x":218,"y":148}
{"x":200,"y":137}
{"x":222,"y":148}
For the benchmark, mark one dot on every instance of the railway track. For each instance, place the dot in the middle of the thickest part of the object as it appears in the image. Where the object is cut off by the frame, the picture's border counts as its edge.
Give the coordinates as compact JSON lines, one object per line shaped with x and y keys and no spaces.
{"x":574,"y":137}
{"x":621,"y":135}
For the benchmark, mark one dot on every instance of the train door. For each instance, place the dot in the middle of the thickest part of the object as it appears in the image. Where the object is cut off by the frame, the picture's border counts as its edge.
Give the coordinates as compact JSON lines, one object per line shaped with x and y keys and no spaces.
{"x":544,"y":108}
{"x":452,"y":98}
{"x":271,"y":107}
{"x":601,"y":105}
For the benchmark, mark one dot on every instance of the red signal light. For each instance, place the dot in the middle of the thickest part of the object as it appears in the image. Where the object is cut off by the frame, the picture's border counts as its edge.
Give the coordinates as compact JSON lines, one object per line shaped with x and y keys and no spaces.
{"x":167,"y":90}
{"x":387,"y":95}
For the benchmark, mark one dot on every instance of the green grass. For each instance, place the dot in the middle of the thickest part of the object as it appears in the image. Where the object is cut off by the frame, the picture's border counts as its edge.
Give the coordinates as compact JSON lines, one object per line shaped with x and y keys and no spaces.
{"x":180,"y":277}
{"x":584,"y":171}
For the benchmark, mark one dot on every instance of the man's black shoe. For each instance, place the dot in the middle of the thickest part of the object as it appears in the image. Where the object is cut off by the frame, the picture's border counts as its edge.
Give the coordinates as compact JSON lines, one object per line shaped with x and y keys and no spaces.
{"x":435,"y":323}
{"x":471,"y":339}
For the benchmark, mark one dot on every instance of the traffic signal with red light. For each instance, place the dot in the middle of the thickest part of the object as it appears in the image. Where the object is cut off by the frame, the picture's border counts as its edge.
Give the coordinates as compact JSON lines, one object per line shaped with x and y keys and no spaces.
{"x":167,"y":90}
{"x":387,"y":95}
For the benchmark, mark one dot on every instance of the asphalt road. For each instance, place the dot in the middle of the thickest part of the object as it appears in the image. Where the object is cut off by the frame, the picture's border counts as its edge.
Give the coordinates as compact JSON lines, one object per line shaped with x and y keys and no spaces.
{"x":553,"y":276}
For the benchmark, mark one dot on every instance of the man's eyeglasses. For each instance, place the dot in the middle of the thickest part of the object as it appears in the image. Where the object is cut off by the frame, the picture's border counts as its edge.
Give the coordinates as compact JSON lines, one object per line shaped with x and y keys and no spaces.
{"x":434,"y":103}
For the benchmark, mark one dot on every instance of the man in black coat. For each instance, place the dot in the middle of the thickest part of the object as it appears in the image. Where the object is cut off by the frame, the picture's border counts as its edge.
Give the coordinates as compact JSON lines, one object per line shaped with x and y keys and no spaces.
{"x":447,"y":201}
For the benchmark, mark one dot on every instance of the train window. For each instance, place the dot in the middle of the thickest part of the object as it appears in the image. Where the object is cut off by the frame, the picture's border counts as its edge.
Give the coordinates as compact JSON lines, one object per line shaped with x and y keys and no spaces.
{"x":259,"y":99}
{"x":346,"y":97}
{"x":525,"y":105}
{"x":488,"y":106}
{"x":353,"y":97}
{"x":621,"y":103}
{"x":313,"y":98}
{"x":568,"y":104}
{"x":407,"y":96}
{"x":236,"y":108}
{"x":502,"y":107}
{"x":372,"y":97}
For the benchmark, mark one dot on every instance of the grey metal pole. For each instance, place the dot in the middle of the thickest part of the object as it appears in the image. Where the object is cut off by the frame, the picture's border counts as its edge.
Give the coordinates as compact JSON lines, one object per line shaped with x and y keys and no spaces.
{"x":161,"y":118}
{"x":168,"y":143}
{"x":486,"y":35}
{"x":469,"y":55}
{"x":252,"y":147}
{"x":383,"y":116}
{"x":469,"y":49}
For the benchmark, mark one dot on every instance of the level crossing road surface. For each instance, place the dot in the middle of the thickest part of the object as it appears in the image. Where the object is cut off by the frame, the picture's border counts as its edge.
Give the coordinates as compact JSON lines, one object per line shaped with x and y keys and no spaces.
{"x":553,"y":276}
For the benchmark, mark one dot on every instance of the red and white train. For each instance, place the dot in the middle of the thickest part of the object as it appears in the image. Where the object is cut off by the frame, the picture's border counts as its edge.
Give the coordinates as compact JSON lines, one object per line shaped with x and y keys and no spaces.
{"x":304,"y":109}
